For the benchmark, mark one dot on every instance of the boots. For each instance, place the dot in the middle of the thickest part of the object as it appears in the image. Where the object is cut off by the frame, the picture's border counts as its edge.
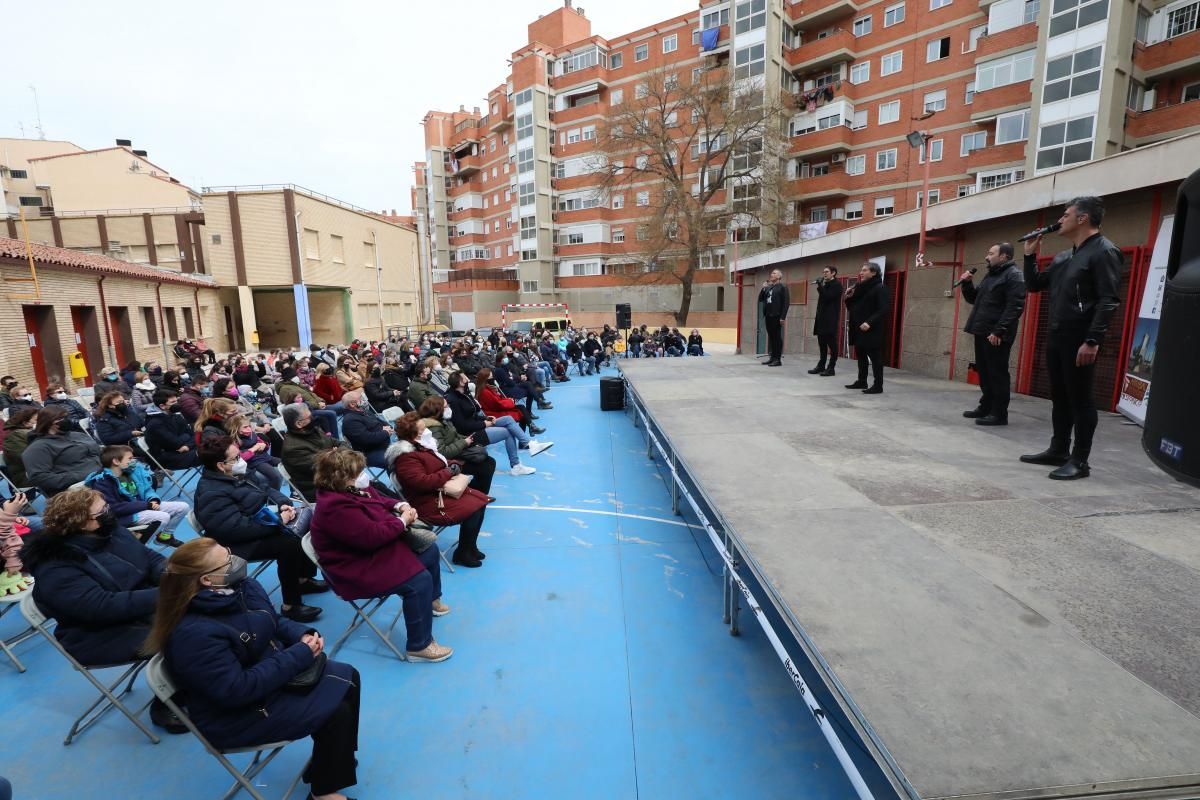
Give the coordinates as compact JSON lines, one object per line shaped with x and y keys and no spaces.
{"x":818,"y":369}
{"x":829,"y":372}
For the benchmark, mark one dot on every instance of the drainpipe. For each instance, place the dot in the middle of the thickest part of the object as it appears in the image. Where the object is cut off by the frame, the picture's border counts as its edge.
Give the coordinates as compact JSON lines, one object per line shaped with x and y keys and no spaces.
{"x":162,"y":324}
{"x":738,"y":349}
{"x":199,"y":319}
{"x":378,"y":286}
{"x":112,"y":354}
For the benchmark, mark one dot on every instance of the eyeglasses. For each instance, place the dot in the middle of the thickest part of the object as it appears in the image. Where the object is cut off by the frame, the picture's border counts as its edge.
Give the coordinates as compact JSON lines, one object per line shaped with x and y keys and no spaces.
{"x":103,"y":511}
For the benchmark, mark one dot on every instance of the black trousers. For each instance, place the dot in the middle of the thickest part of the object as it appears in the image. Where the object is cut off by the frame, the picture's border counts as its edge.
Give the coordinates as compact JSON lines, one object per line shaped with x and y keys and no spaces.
{"x":468,"y":533}
{"x":827,"y":342}
{"x":1071,"y":393}
{"x":991,"y":362}
{"x":774,"y":337}
{"x":875,"y":356}
{"x":333,"y":764}
{"x":481,"y":472}
{"x":291,"y":562}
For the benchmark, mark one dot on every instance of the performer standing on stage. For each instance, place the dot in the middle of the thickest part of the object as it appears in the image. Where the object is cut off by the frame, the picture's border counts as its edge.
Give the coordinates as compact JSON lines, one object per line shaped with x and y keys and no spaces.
{"x":1083,"y":295}
{"x":867,"y":304}
{"x":829,"y":309}
{"x":997,"y":306}
{"x":773,"y":297}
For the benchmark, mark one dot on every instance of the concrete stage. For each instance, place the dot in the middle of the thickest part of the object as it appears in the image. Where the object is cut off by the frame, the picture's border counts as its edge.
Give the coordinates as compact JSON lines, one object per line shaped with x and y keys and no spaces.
{"x":993,"y":633}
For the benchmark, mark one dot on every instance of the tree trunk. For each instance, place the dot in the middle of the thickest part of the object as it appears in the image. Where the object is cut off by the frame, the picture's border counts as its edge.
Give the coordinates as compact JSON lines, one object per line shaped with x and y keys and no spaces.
{"x":685,"y":299}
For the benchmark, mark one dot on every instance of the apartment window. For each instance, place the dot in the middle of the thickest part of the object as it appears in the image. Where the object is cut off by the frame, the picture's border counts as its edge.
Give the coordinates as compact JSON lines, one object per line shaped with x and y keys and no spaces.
{"x":966,"y":189}
{"x":934,"y":5}
{"x":696,"y":75}
{"x":750,"y":16}
{"x":818,"y":214}
{"x":862,"y":26}
{"x":935,"y":151}
{"x":830,"y":121}
{"x":618,"y":201}
{"x":1191,"y":93}
{"x":509,"y":249}
{"x":714,"y":19}
{"x":574,"y":238}
{"x":860,"y":120}
{"x":618,"y":235}
{"x":936,"y":101}
{"x":747,"y":155}
{"x":572,"y":137}
{"x":750,"y":233}
{"x":860,"y":73}
{"x":885,"y":206}
{"x":935,"y":197}
{"x":525,"y":159}
{"x":747,"y":197}
{"x":641,"y":52}
{"x":524,"y":126}
{"x":642,"y":233}
{"x":1033,"y":7}
{"x":188,"y":326}
{"x":529,"y":287}
{"x":616,"y":96}
{"x":893,"y":15}
{"x":526,"y":193}
{"x":18,"y":174}
{"x":885,"y":160}
{"x":994,"y":180}
{"x":31,"y":201}
{"x":1012,"y":127}
{"x":1003,"y":71}
{"x":560,"y":169}
{"x":853,"y":209}
{"x":1135,"y":95}
{"x":749,"y":61}
{"x":528,"y":227}
{"x":615,"y":60}
{"x":216,"y":238}
{"x":1072,"y":75}
{"x":889,"y":112}
{"x":523,"y":97}
{"x":151,"y":328}
{"x":670,"y":43}
{"x":643,"y":199}
{"x":937,"y":49}
{"x":974,"y":35}
{"x":856,"y":165}
{"x":891,"y":63}
{"x":969,"y":95}
{"x":312,"y":244}
{"x":972,"y":142}
{"x":1063,"y":143}
{"x":337,"y":247}
{"x":1069,"y":15}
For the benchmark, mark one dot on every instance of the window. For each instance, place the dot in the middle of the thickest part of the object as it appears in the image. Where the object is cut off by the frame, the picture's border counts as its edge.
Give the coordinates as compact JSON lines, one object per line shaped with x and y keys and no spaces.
{"x":856,"y":165}
{"x":862,"y":26}
{"x":1191,"y":93}
{"x":31,"y":201}
{"x":640,"y":163}
{"x":967,"y":189}
{"x":1063,"y":143}
{"x":1003,"y":71}
{"x":1012,"y":127}
{"x":893,"y":15}
{"x":526,"y":193}
{"x":524,"y":126}
{"x":696,"y":76}
{"x":618,"y":235}
{"x":936,"y":101}
{"x":643,"y":199}
{"x":1072,"y":75}
{"x":974,"y":35}
{"x":1069,"y":15}
{"x":749,"y":61}
{"x":641,"y":52}
{"x":747,"y":197}
{"x":712,"y":260}
{"x":830,"y":121}
{"x":853,"y":209}
{"x":312,"y":244}
{"x":860,"y":120}
{"x":714,"y":19}
{"x":574,"y":238}
{"x":816,"y":170}
{"x":151,"y":328}
{"x":338,"y":247}
{"x":216,"y":239}
{"x":891,"y":63}
{"x":528,"y":227}
{"x":818,"y":214}
{"x":972,"y":142}
{"x":1033,"y":7}
{"x":750,"y":15}
{"x":616,"y":60}
{"x":188,"y":326}
{"x":994,"y":180}
{"x":525,"y":158}
{"x":18,"y":174}
{"x":969,"y":95}
{"x":885,"y":206}
{"x":523,"y":97}
{"x":572,"y":138}
{"x":642,"y":233}
{"x":937,"y":49}
{"x":750,"y":233}
{"x":889,"y":112}
{"x":935,"y":151}
{"x":670,"y":43}
{"x":934,"y":5}
{"x":618,"y":201}
{"x":616,"y":96}
{"x":529,"y":287}
{"x":860,"y":73}
{"x":747,"y":155}
{"x":885,"y":160}
{"x":935,"y":197}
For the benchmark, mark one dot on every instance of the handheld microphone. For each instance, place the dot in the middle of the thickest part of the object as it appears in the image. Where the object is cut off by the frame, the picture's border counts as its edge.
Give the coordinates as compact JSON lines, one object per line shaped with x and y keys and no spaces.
{"x":1040,"y":232}
{"x":960,"y":281}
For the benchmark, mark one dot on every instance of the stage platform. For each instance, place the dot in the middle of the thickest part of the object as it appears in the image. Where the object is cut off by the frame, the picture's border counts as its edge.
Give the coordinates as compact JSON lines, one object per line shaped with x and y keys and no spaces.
{"x":989,"y":633}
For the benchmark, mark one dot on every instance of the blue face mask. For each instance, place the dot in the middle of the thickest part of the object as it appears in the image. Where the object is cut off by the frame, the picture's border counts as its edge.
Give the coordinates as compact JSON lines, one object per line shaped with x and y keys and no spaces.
{"x":206,"y":391}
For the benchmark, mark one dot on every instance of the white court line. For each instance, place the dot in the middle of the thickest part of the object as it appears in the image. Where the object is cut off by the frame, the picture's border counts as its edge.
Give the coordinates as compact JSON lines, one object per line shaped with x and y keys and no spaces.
{"x":592,"y":511}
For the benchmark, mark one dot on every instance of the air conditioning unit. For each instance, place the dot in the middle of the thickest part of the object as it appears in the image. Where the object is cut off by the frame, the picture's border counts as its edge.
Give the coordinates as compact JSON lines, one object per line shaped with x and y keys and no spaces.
{"x":839,"y":158}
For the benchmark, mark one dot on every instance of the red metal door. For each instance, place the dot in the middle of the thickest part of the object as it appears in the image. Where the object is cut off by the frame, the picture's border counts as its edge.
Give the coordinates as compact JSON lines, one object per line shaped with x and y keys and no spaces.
{"x":34,"y":335}
{"x":80,"y":328}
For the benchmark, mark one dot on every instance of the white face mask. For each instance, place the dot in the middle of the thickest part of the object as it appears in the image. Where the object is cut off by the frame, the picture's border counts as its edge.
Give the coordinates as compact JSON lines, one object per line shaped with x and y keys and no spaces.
{"x":363,"y":480}
{"x":295,"y":380}
{"x":59,"y":395}
{"x":445,"y":413}
{"x":427,"y":441}
{"x":26,"y":397}
{"x":240,"y":467}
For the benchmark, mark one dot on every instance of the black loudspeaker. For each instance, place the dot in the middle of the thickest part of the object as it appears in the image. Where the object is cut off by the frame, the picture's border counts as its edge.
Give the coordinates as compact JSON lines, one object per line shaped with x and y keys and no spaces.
{"x":624,"y":316}
{"x":612,"y":394}
{"x":1172,"y":434}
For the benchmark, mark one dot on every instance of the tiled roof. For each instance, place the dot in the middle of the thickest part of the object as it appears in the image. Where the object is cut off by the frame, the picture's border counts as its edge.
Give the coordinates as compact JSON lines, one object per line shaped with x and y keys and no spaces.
{"x":89,"y":262}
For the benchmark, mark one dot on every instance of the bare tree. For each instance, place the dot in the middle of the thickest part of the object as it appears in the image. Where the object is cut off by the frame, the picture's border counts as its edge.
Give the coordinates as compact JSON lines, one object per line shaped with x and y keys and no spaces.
{"x":706,"y":156}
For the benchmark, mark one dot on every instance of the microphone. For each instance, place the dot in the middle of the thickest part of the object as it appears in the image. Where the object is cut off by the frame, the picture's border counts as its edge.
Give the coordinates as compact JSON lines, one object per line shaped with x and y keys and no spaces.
{"x":960,"y":281}
{"x":1040,"y":232}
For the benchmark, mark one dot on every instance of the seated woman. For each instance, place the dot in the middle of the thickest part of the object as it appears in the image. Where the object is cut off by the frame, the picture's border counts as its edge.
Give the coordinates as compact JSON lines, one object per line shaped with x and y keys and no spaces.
{"x":358,"y":534}
{"x":326,"y":386}
{"x":348,"y":375}
{"x":56,"y":458}
{"x":468,"y":417}
{"x":379,"y":393}
{"x":214,"y":413}
{"x":143,"y":393}
{"x":232,"y":657}
{"x":510,"y":380}
{"x":128,"y":488}
{"x":495,"y":404}
{"x":695,"y":343}
{"x":16,"y":439}
{"x":471,"y":454}
{"x":255,"y":450}
{"x":116,"y":422}
{"x":129,"y":373}
{"x":421,"y":471}
{"x":57,"y":396}
{"x":304,"y":441}
{"x":258,"y":524}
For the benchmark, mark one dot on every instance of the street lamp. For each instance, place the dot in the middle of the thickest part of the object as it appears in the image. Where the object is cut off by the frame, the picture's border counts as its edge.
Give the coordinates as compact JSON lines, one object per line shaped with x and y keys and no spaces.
{"x":921,"y":139}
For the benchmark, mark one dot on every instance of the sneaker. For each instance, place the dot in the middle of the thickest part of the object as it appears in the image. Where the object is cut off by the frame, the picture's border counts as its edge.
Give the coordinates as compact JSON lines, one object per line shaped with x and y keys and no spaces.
{"x":440,"y":609}
{"x":521,"y":469}
{"x":169,"y":540}
{"x":433,"y":653}
{"x":536,"y":447}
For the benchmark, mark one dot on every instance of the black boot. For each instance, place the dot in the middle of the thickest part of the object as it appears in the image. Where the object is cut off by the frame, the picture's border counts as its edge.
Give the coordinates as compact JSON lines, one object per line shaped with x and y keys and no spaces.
{"x":1051,"y":456}
{"x":976,"y":413}
{"x":857,"y":385}
{"x":1073,"y":470}
{"x":829,"y":372}
{"x":876,"y":389}
{"x":818,"y":369}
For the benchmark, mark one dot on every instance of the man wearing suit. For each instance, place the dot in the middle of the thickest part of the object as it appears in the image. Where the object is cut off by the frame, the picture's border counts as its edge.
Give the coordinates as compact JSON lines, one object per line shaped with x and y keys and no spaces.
{"x":773,"y":297}
{"x":867,"y":304}
{"x":829,"y":309}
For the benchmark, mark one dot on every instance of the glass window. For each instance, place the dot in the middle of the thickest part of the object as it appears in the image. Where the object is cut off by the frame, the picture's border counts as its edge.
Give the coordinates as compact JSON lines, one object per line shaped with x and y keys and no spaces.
{"x":969,"y":95}
{"x":1072,"y":75}
{"x":641,"y":52}
{"x":1004,"y":71}
{"x":861,"y":72}
{"x":885,"y":206}
{"x":972,"y":142}
{"x":885,"y":160}
{"x":714,"y":19}
{"x":862,"y":26}
{"x":860,"y":120}
{"x":670,"y":43}
{"x":1012,"y":127}
{"x":937,"y":49}
{"x":935,"y":150}
{"x":936,"y":101}
{"x":893,"y":15}
{"x":750,"y":15}
{"x":749,"y":61}
{"x":936,"y":4}
{"x":854,"y":209}
{"x":616,"y":60}
{"x":856,"y":165}
{"x":1068,"y":15}
{"x":891,"y":63}
{"x":889,"y":112}
{"x":1032,"y":8}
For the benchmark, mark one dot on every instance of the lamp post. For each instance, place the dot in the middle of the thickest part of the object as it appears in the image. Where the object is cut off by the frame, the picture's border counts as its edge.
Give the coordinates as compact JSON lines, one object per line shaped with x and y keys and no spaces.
{"x":921,"y":139}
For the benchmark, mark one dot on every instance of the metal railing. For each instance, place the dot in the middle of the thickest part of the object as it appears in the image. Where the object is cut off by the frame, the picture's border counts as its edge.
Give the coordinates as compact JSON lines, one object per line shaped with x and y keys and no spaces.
{"x":279,"y":187}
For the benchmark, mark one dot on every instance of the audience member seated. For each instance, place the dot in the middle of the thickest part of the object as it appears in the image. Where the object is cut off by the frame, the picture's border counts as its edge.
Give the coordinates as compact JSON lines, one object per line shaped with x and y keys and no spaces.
{"x":128,"y":488}
{"x":471,"y":454}
{"x":254,"y":450}
{"x":116,"y":422}
{"x":495,"y":404}
{"x":364,"y":431}
{"x":514,"y":384}
{"x":576,"y":357}
{"x":292,"y":390}
{"x":7,"y":384}
{"x":110,"y":381}
{"x":303,"y":442}
{"x":130,"y":371}
{"x":213,"y":416}
{"x":187,"y":349}
{"x":421,"y":473}
{"x":57,"y":458}
{"x":468,"y":417}
{"x":191,"y":399}
{"x":326,"y":385}
{"x":305,"y":372}
{"x":421,"y":386}
{"x":22,"y":397}
{"x":257,"y":524}
{"x":695,"y":343}
{"x":143,"y":393}
{"x":232,"y":658}
{"x":348,"y":375}
{"x":168,"y":434}
{"x":13,"y":579}
{"x":56,"y":395}
{"x":16,"y":439}
{"x":379,"y":393}
{"x":359,"y":537}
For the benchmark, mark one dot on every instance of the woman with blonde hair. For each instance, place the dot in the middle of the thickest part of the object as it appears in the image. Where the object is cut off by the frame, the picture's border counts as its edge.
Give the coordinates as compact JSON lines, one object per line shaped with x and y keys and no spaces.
{"x":249,"y":675}
{"x":214,"y":413}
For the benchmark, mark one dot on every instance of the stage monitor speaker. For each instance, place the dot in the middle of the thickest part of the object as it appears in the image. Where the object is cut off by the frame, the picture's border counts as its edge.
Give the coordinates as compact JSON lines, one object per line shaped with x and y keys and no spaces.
{"x":612,"y":394}
{"x":1172,"y":434}
{"x":624,"y":316}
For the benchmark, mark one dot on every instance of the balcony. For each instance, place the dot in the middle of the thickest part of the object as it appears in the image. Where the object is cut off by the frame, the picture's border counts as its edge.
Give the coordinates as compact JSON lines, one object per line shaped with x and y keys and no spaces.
{"x":585,"y":249}
{"x":466,"y":187}
{"x":503,"y":118}
{"x":988,"y":104}
{"x":835,"y":139}
{"x":1169,"y":57}
{"x":464,"y":239}
{"x":814,"y":15}
{"x":992,"y":44}
{"x":821,"y":187}
{"x":1161,"y":123}
{"x":723,"y":42}
{"x":581,"y":81}
{"x":468,"y":165}
{"x":833,"y":49}
{"x":466,"y":279}
{"x":473,"y":212}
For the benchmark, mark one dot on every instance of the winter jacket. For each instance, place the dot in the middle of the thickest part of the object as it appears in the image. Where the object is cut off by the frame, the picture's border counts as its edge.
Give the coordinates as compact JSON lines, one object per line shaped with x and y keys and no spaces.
{"x":101,"y":591}
{"x":299,"y":452}
{"x":349,"y":379}
{"x":695,"y":341}
{"x":466,"y":414}
{"x":165,"y":434}
{"x":246,"y":444}
{"x":232,"y":654}
{"x":869,"y":303}
{"x":774,"y":299}
{"x":419,"y":390}
{"x":592,"y":347}
{"x":1083,"y":285}
{"x":360,"y":543}
{"x":15,"y":442}
{"x":105,"y":386}
{"x":228,"y":508}
{"x":996,"y":303}
{"x":829,"y":308}
{"x":142,"y":396}
{"x":450,"y":442}
{"x":54,"y":463}
{"x":125,"y":500}
{"x":469,"y":363}
{"x":420,"y":474}
{"x":511,"y":387}
{"x":290,"y":392}
{"x":118,"y":428}
{"x":495,"y":404}
{"x":190,"y":404}
{"x":549,"y":352}
{"x":364,"y":431}
{"x":380,"y":395}
{"x":328,"y":389}
{"x":75,"y":411}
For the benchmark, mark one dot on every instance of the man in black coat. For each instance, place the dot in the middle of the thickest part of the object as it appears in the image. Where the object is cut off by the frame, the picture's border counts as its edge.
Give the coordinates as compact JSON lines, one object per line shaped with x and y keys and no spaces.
{"x":171,"y":439}
{"x":773,"y":297}
{"x":1082,"y":283}
{"x":996,"y":310}
{"x":867,"y":305}
{"x":825,"y":328}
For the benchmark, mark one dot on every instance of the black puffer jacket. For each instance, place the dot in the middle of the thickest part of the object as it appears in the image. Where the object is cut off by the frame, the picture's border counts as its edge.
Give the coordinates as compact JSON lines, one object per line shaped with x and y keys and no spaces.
{"x":997,"y":302}
{"x":1083,"y":285}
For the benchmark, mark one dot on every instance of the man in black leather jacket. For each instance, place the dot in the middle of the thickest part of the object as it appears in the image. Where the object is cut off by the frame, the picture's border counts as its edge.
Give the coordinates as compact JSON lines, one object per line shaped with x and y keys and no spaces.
{"x":1082,"y":284}
{"x":996,"y":310}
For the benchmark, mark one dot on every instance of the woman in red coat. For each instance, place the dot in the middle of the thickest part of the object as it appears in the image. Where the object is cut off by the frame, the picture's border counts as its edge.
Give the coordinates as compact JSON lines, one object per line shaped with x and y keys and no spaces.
{"x":421,"y":471}
{"x":358,"y":534}
{"x":495,"y":404}
{"x":326,"y":385}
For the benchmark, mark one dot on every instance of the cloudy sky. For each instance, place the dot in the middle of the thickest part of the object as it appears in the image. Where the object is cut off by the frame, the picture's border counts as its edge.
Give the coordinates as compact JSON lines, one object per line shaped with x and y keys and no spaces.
{"x":325,"y":95}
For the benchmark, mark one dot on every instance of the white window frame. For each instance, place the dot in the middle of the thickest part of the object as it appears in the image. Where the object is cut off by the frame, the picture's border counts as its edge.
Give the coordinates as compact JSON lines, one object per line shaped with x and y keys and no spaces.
{"x":1077,"y":74}
{"x":853,"y":210}
{"x":888,"y":158}
{"x":936,"y":99}
{"x":1089,"y":139}
{"x":618,"y":235}
{"x":1024,"y":131}
{"x":969,"y":93}
{"x":641,"y":52}
{"x":1004,"y":71}
{"x":861,"y":26}
{"x":861,"y":120}
{"x":930,"y":57}
{"x":863,"y":70}
{"x":643,"y":199}
{"x":890,"y":205}
{"x":616,"y":60}
{"x":936,"y":149}
{"x":618,"y":201}
{"x":892,"y":109}
{"x":897,"y":58}
{"x":616,"y":96}
{"x":856,"y":165}
{"x":934,"y":5}
{"x":964,"y":150}
{"x":890,"y":12}
{"x":529,"y":287}
{"x":670,"y":43}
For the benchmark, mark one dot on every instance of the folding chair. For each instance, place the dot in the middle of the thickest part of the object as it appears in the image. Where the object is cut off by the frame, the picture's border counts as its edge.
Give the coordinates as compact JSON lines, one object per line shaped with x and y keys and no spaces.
{"x":295,"y":491}
{"x":87,"y":396}
{"x":7,"y":603}
{"x":107,"y":700}
{"x":363,"y":609}
{"x":391,"y":414}
{"x":262,"y":565}
{"x":88,"y":426}
{"x":145,"y":448}
{"x":279,"y":425}
{"x":12,"y":487}
{"x":163,"y":686}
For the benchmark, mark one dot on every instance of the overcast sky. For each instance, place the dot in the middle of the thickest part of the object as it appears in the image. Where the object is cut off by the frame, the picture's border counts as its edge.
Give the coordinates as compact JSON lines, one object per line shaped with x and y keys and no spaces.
{"x":326,"y":95}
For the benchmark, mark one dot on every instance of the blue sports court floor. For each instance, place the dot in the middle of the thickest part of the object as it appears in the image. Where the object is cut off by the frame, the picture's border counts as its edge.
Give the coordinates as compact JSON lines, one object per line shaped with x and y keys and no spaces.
{"x":590,"y":662}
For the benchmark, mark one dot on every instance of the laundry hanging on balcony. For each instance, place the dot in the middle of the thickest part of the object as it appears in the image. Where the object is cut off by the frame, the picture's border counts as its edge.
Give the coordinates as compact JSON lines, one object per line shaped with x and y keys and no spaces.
{"x":817,"y":96}
{"x":709,"y":38}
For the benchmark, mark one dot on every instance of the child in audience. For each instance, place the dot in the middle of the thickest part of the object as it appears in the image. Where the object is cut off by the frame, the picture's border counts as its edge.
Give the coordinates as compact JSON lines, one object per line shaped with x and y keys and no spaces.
{"x":254,"y":449}
{"x":12,"y":579}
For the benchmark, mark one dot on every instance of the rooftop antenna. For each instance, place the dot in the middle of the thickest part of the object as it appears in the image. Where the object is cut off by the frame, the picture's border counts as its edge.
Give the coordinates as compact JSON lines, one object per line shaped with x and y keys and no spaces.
{"x":37,"y":110}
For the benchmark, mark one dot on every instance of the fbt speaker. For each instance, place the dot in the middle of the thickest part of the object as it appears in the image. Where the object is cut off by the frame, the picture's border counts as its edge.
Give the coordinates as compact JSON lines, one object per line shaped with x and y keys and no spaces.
{"x":1172,"y":434}
{"x":624,"y":316}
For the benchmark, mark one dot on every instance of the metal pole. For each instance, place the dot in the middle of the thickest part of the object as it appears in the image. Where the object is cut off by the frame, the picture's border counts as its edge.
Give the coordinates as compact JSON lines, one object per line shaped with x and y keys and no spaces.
{"x":924,"y":193}
{"x":378,"y":285}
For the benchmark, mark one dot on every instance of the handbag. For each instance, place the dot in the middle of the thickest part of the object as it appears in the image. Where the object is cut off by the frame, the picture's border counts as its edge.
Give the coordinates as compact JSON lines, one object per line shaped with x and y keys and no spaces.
{"x":419,"y":537}
{"x":303,"y":682}
{"x":455,"y":486}
{"x":474,"y":454}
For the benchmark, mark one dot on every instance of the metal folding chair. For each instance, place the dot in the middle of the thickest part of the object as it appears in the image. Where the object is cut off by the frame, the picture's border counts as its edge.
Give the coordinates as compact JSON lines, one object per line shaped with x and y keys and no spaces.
{"x":107,"y":700}
{"x":391,"y":414}
{"x":295,"y":493}
{"x":163,"y":686}
{"x":179,"y":484}
{"x":258,"y":570}
{"x":279,"y":425}
{"x":12,"y":487}
{"x":7,"y":603}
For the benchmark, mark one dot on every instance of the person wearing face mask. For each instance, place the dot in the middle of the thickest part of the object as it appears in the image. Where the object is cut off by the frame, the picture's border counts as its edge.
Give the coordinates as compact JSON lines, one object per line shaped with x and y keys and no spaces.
{"x":257,"y":523}
{"x":168,"y":434}
{"x":495,"y":404}
{"x":16,"y":439}
{"x":110,"y":381}
{"x":191,"y":399}
{"x":292,"y":391}
{"x":470,"y":452}
{"x":326,"y":385}
{"x":56,"y":397}
{"x":514,"y":384}
{"x":358,"y":534}
{"x":58,"y":457}
{"x":7,"y":384}
{"x":232,"y":657}
{"x":421,"y":386}
{"x":302,"y":443}
{"x":379,"y":393}
{"x":470,"y":420}
{"x":364,"y":431}
{"x":116,"y":422}
{"x":22,"y":397}
{"x":143,"y":393}
{"x":127,"y":487}
{"x":254,"y":450}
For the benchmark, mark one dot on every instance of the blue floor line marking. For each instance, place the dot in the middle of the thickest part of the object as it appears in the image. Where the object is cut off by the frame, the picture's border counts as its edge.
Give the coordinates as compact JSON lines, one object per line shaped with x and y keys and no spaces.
{"x":590,"y":511}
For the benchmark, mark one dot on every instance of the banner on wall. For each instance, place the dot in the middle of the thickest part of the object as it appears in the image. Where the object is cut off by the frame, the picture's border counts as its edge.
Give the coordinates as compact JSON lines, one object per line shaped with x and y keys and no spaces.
{"x":1135,"y":388}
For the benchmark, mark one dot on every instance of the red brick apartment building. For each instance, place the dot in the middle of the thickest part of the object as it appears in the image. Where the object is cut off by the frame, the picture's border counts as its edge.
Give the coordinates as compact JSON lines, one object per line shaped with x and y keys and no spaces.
{"x":1003,"y":90}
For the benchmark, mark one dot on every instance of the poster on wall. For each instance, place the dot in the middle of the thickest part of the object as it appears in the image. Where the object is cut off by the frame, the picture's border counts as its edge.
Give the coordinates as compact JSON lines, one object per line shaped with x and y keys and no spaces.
{"x":1135,"y":388}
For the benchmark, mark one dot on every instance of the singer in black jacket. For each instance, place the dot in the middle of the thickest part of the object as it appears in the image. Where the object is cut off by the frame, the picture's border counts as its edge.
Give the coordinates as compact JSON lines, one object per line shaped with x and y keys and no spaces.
{"x":867,"y":304}
{"x":1082,"y":284}
{"x":825,"y":327}
{"x":774,"y":299}
{"x":996,"y":309}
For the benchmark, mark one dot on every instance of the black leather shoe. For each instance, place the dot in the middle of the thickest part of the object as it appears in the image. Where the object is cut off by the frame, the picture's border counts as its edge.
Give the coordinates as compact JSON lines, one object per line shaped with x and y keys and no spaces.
{"x":302,"y":613}
{"x":975,"y":413}
{"x":1051,"y":457}
{"x":461,"y":559}
{"x":165,"y":718}
{"x":313,"y":586}
{"x":817,"y":370}
{"x":991,"y":419}
{"x":767,"y":363}
{"x":480,"y":555}
{"x":535,"y":430}
{"x":876,"y":389}
{"x":856,"y":385}
{"x":774,"y":363}
{"x":545,"y":406}
{"x":829,"y":373}
{"x":1071,"y":471}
